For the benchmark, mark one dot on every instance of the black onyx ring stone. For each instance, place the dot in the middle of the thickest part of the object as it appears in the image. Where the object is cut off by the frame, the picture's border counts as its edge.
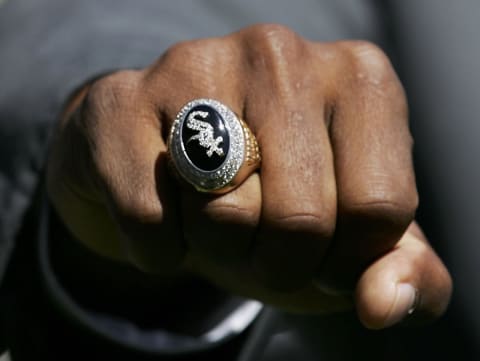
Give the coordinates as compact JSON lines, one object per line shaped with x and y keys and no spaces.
{"x":211,"y":148}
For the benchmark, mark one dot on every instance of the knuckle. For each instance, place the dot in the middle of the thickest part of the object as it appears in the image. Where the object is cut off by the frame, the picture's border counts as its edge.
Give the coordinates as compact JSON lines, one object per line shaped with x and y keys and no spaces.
{"x":138,"y":210}
{"x":275,"y":54}
{"x":274,"y":44}
{"x":186,"y":50}
{"x":196,"y":55}
{"x":371,"y":65}
{"x":394,"y":213}
{"x":206,"y":233}
{"x":200,"y":64}
{"x":111,"y":91}
{"x":273,"y":34}
{"x":126,"y":180}
{"x":233,"y":215}
{"x":289,"y":249}
{"x":320,"y":226}
{"x":140,"y":222}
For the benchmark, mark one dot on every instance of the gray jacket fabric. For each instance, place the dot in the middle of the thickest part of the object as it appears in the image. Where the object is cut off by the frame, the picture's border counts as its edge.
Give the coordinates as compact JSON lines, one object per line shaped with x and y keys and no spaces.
{"x":49,"y":47}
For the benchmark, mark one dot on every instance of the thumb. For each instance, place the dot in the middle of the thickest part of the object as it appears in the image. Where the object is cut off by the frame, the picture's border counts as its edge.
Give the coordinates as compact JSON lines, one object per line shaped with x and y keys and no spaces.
{"x":409,"y":281}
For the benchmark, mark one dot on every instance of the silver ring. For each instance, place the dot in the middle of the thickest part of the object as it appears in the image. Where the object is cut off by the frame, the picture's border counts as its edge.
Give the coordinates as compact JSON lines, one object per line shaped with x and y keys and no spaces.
{"x":211,"y":148}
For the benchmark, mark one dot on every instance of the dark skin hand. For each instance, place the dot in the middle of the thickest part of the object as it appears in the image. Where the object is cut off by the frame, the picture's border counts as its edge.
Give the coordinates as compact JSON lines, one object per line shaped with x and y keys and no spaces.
{"x":328,"y":221}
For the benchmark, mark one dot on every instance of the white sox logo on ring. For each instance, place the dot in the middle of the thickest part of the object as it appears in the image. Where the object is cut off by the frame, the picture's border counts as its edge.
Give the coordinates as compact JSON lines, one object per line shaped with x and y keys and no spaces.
{"x":205,"y":133}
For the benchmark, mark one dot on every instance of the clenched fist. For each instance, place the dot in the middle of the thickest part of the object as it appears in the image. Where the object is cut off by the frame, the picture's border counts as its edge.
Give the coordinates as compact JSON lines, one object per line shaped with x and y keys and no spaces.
{"x":330,"y":212}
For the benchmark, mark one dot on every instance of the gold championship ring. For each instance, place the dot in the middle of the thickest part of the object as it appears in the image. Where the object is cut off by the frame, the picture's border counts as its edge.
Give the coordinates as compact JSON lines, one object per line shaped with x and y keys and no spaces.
{"x":211,"y":148}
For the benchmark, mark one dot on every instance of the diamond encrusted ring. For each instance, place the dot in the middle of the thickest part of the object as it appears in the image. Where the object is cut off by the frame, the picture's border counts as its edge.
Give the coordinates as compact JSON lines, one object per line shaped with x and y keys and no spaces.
{"x":211,"y":148}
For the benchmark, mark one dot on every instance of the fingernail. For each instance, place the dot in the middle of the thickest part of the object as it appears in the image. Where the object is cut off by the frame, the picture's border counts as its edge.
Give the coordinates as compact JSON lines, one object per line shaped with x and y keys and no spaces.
{"x":403,"y":305}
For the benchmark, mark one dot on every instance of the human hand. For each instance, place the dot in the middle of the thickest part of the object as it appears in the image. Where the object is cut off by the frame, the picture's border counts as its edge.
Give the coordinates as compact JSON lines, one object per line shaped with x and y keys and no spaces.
{"x":330,"y":212}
